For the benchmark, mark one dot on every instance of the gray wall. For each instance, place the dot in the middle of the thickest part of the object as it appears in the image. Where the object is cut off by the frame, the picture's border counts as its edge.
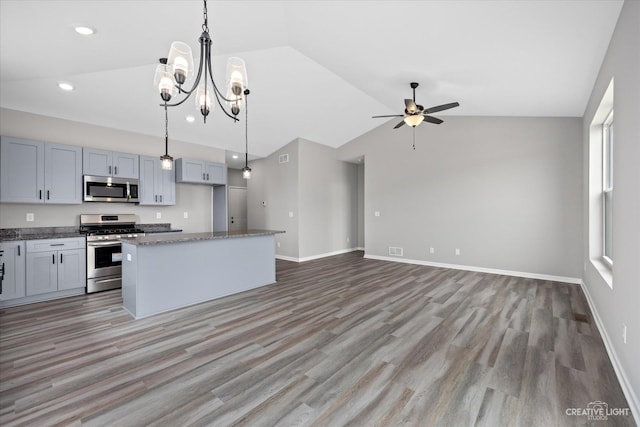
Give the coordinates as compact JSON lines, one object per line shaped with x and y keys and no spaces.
{"x":619,"y":305}
{"x":276,"y":184}
{"x":235,"y":179}
{"x":328,"y":200}
{"x":318,"y":190}
{"x":361,"y":205}
{"x":506,"y":191}
{"x":194,"y":199}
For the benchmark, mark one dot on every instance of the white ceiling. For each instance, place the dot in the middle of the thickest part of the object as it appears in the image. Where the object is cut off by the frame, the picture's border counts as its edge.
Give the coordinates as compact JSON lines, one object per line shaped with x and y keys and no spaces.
{"x":317,"y":69}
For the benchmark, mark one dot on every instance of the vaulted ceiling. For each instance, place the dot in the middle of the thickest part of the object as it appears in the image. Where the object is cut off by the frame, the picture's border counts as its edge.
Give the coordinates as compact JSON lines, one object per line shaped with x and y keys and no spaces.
{"x":317,"y":69}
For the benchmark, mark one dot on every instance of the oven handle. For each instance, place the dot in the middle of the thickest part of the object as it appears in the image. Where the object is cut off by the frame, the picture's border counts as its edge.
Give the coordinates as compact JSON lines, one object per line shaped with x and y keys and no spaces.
{"x":103,"y":243}
{"x":108,"y":280}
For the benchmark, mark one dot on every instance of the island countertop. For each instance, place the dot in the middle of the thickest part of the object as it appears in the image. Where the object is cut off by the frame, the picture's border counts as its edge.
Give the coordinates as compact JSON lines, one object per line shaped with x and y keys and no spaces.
{"x":192,"y":237}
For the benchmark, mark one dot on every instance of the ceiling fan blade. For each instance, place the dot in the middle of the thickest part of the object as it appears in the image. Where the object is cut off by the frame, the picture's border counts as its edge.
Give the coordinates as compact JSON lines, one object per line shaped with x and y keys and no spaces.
{"x":433,"y":120}
{"x":411,"y":106}
{"x":393,"y":115}
{"x":441,"y":108}
{"x":399,"y":125}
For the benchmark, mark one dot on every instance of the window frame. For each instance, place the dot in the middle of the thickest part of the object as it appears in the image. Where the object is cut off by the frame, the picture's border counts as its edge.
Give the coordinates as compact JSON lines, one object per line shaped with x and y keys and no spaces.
{"x":607,"y":185}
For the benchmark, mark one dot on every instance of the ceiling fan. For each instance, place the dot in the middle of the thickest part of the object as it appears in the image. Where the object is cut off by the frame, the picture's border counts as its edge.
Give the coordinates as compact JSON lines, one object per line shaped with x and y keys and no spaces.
{"x":414,"y":114}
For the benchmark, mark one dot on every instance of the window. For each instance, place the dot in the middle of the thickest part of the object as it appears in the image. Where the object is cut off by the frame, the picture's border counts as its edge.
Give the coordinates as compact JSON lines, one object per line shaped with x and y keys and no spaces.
{"x":607,"y":188}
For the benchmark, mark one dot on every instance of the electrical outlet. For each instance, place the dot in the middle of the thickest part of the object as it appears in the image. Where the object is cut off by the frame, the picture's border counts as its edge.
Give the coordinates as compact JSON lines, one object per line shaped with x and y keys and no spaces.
{"x":158,"y":215}
{"x":624,"y":333}
{"x":457,"y":251}
{"x":30,"y":217}
{"x":290,"y":214}
{"x":376,"y":213}
{"x":264,"y":203}
{"x":432,"y":250}
{"x":278,"y":243}
{"x":185,"y":215}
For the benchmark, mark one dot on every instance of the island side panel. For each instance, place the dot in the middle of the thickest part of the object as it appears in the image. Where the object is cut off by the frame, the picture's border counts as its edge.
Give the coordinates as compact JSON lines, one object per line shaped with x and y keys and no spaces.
{"x":129,"y":278}
{"x":171,"y":276}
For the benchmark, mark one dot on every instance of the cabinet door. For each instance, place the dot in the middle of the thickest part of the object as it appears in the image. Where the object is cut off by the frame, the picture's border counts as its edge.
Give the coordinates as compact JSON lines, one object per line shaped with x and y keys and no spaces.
{"x":216,"y":173}
{"x":167,"y":186}
{"x":13,"y":258}
{"x":148,"y":180}
{"x":42,"y":272}
{"x":72,"y":271}
{"x":191,"y":171}
{"x":125,"y":165}
{"x":96,"y":162}
{"x":63,"y":174}
{"x":21,"y":170}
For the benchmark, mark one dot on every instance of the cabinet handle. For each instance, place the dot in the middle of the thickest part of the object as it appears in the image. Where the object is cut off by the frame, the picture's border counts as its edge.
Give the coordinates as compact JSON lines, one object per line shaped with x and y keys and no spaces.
{"x":1,"y":277}
{"x":161,"y":198}
{"x":60,"y":258}
{"x":109,"y":170}
{"x":18,"y":250}
{"x":40,"y":194}
{"x":156,"y":198}
{"x":48,"y":195}
{"x":56,"y":244}
{"x":115,"y":170}
{"x":207,"y":176}
{"x":53,"y":258}
{"x":203,"y":176}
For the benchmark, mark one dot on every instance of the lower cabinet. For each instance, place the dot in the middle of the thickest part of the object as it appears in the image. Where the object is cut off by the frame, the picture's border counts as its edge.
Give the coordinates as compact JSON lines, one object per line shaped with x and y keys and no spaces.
{"x":12,"y":258}
{"x":55,"y":265}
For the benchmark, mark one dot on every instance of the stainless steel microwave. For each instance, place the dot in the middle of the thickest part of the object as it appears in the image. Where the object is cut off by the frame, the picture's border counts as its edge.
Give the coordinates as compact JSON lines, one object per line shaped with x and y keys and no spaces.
{"x":109,"y":189}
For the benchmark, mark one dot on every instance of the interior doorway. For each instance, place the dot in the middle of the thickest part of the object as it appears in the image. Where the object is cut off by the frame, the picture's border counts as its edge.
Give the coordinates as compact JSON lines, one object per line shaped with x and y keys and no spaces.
{"x":237,"y":208}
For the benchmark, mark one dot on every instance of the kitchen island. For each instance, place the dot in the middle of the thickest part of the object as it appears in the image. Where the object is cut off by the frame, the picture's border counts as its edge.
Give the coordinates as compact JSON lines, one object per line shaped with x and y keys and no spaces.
{"x":166,"y":272}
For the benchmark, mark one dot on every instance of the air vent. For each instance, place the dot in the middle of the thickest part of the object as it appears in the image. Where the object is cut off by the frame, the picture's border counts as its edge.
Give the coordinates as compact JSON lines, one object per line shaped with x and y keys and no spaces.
{"x":394,"y":251}
{"x":283,"y":158}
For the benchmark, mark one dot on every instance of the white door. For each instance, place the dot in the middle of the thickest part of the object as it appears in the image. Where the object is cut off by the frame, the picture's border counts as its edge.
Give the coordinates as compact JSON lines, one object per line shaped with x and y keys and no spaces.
{"x":237,"y":208}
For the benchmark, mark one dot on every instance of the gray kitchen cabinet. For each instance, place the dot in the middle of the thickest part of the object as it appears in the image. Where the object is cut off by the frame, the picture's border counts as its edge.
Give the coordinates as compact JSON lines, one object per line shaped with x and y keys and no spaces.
{"x":12,"y":258}
{"x":39,"y":172}
{"x":157,"y":186}
{"x":192,"y":171}
{"x":55,"y":265}
{"x":109,"y":163}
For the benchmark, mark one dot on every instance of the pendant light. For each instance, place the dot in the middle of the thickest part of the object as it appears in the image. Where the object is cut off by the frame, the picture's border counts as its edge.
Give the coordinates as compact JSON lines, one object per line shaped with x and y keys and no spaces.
{"x":246,"y":170}
{"x":174,"y":71}
{"x":166,"y":161}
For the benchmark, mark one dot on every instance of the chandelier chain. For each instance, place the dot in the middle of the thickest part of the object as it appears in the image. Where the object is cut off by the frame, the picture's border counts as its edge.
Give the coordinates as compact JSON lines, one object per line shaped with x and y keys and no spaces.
{"x":246,"y":130}
{"x":205,"y":25}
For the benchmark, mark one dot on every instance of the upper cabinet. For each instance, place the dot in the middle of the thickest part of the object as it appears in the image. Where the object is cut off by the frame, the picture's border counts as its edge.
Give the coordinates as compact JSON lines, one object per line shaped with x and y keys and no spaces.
{"x":157,"y":185}
{"x":109,"y":163}
{"x":39,"y":172}
{"x":194,"y":171}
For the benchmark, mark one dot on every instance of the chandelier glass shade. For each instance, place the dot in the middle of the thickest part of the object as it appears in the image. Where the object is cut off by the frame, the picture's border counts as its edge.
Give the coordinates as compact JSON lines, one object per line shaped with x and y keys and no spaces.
{"x":174,"y":74}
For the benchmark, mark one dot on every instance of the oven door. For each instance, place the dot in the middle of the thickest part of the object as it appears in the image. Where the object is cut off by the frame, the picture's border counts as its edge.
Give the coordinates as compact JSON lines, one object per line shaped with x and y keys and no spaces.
{"x":104,"y":259}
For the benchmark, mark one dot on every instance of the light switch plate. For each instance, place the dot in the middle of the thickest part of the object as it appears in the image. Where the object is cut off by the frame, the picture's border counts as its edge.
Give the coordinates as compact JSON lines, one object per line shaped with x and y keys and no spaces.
{"x":128,"y":257}
{"x":376,"y":213}
{"x":290,"y":214}
{"x":30,"y":217}
{"x":186,"y":215}
{"x":158,"y":215}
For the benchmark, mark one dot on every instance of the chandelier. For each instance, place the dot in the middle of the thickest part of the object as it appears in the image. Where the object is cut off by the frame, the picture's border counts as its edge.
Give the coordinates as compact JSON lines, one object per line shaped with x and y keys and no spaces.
{"x":173,"y":72}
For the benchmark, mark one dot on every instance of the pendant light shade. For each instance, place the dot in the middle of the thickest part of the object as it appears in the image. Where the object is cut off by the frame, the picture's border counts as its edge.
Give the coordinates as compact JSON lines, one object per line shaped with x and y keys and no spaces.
{"x":203,"y":101}
{"x":246,"y":172}
{"x":414,"y":120}
{"x":167,"y":162}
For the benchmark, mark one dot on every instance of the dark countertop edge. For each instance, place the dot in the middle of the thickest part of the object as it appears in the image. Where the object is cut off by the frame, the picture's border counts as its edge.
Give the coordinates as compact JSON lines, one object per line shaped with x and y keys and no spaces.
{"x":195,"y":237}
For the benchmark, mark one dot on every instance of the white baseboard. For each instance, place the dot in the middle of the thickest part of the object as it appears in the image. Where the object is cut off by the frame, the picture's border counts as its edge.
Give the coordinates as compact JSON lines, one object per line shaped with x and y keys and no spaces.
{"x":312,"y":257}
{"x":527,"y":275}
{"x":632,"y":398}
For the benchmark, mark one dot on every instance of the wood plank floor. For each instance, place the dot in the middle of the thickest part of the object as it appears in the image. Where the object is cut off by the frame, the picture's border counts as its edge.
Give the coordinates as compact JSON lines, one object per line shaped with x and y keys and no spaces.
{"x":337,"y":341}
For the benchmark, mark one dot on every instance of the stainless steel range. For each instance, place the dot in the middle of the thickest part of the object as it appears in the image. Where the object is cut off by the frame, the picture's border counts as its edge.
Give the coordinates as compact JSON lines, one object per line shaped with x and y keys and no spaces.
{"x":104,"y":251}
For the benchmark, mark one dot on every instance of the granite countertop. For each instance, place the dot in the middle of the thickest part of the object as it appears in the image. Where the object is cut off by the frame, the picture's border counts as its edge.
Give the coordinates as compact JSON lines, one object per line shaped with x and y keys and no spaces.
{"x":36,"y":233}
{"x":157,"y":228}
{"x":193,"y":237}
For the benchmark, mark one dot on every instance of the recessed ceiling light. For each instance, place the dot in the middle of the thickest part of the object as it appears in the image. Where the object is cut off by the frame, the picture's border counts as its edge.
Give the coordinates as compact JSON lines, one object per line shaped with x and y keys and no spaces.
{"x":85,"y":31}
{"x":235,"y":156}
{"x":65,"y":86}
{"x":191,"y":119}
